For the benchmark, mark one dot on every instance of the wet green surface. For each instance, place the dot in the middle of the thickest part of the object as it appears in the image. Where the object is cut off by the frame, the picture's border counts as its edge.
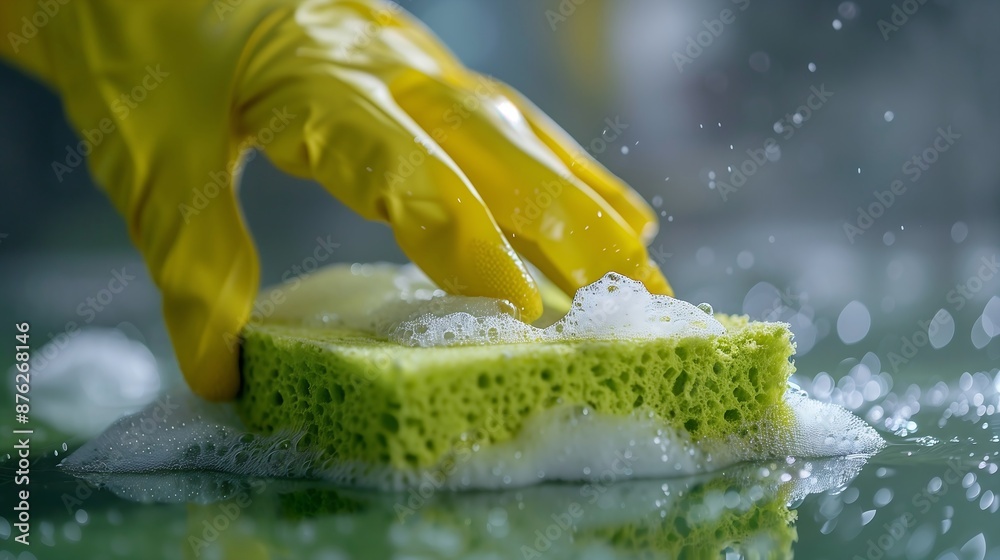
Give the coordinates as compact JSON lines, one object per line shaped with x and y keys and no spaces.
{"x":933,"y":493}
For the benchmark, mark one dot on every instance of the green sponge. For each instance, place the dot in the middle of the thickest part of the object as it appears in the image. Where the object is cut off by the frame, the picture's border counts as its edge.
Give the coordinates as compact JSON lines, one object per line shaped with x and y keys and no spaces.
{"x":366,"y":401}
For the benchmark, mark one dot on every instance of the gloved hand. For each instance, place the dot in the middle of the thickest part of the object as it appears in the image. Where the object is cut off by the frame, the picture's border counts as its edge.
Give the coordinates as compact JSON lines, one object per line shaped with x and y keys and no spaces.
{"x":355,"y":94}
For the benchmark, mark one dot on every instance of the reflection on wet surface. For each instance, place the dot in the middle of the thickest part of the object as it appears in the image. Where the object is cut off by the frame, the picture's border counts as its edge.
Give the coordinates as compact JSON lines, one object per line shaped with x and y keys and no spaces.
{"x":742,"y":510}
{"x":932,"y":493}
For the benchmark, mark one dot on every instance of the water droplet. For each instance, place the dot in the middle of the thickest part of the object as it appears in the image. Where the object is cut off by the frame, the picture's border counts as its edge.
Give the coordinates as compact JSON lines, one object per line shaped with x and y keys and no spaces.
{"x":837,"y":25}
{"x":882,"y":497}
{"x":760,"y":61}
{"x":959,"y":231}
{"x":854,"y":322}
{"x":888,"y":116}
{"x":867,"y":516}
{"x":941,"y":330}
{"x":812,"y":66}
{"x":744,"y":260}
{"x":848,"y":10}
{"x":624,"y":150}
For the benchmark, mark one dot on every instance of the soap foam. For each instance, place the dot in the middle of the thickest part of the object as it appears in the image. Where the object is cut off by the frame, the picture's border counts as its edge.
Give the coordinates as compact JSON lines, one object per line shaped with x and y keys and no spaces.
{"x":562,"y":444}
{"x":613,"y":308}
{"x":181,"y":432}
{"x":576,"y":444}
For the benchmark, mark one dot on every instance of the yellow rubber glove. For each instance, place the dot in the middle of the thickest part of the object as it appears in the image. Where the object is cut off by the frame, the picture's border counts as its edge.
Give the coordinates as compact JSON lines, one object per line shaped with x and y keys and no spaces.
{"x":355,"y":94}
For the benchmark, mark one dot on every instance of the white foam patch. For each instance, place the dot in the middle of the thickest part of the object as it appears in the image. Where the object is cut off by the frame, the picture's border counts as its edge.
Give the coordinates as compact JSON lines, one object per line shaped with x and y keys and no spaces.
{"x":183,"y":433}
{"x":578,"y":445}
{"x":613,"y":308}
{"x":825,"y":430}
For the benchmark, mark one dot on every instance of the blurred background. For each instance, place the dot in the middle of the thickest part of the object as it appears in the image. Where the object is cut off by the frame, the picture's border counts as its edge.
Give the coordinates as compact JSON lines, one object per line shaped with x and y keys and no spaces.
{"x":767,"y":136}
{"x":829,"y":164}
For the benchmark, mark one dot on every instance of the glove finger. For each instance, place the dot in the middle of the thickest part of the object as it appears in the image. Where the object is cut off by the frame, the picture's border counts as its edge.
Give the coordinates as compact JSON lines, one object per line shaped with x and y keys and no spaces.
{"x":629,"y":204}
{"x":366,"y":151}
{"x":203,"y":259}
{"x":560,"y":223}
